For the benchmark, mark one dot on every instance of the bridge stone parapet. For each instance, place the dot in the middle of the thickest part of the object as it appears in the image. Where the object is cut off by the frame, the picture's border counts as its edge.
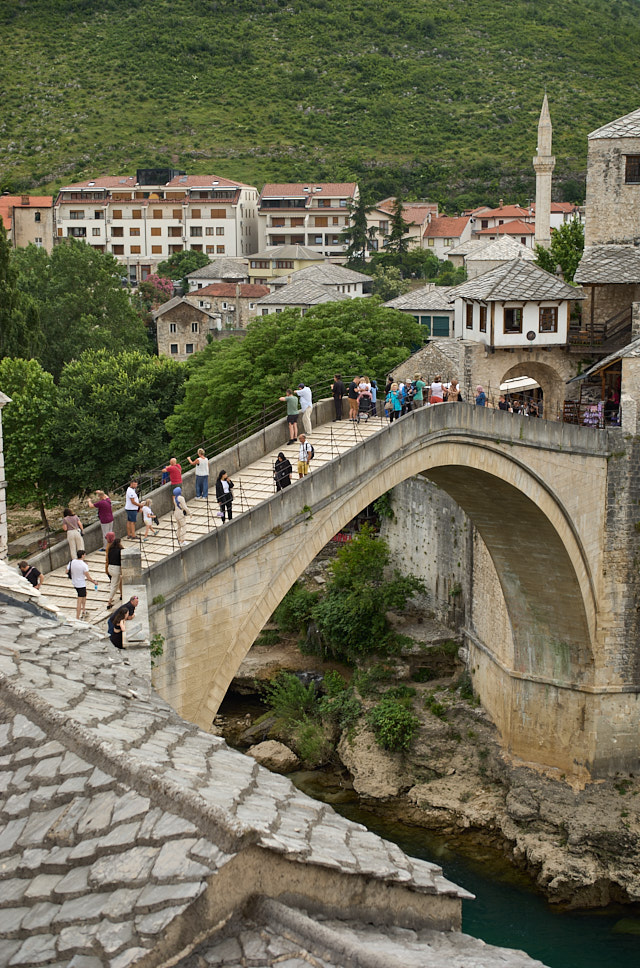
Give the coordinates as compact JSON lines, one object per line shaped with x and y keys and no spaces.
{"x":539,"y":494}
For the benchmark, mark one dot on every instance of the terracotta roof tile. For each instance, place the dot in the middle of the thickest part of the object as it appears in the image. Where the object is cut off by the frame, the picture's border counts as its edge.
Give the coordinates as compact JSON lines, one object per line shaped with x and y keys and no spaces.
{"x":510,"y":228}
{"x":508,"y":211}
{"x":446,"y":227}
{"x":9,"y":202}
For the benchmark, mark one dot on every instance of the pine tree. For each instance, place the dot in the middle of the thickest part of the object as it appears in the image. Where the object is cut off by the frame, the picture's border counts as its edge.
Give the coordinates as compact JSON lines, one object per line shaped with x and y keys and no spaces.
{"x":397,"y":240}
{"x":358,"y":235}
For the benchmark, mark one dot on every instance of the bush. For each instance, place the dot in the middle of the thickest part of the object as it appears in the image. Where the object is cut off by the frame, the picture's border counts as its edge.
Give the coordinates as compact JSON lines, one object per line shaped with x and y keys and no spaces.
{"x":342,"y":709}
{"x":289,"y":698}
{"x":394,"y":724}
{"x":311,"y":744}
{"x":294,"y":611}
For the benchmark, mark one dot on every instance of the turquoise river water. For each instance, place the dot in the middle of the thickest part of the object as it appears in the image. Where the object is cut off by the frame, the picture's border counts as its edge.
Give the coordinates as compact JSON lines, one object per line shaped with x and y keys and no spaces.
{"x":507,"y":911}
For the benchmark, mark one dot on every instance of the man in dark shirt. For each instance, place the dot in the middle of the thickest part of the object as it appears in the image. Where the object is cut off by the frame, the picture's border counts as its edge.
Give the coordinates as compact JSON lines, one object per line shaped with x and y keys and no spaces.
{"x":130,"y":606}
{"x":31,"y":574}
{"x":337,"y":389}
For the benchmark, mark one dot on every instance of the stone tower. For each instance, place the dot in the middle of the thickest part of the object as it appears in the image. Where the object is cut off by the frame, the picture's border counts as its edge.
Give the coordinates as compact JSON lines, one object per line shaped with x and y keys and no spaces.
{"x":544,"y":163}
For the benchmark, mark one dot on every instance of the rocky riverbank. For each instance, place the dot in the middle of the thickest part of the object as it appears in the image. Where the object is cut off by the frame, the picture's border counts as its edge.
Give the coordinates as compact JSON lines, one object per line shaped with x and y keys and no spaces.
{"x":580,"y":846}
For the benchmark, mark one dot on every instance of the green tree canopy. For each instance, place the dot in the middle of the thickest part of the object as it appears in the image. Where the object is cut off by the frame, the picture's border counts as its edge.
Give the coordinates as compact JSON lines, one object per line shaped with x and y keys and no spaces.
{"x":108,"y":421}
{"x":80,"y":301}
{"x":20,"y":331}
{"x":567,"y":246}
{"x":180,"y":263}
{"x":389,"y":283}
{"x":397,"y":240}
{"x":26,"y":424}
{"x":358,"y":235}
{"x":232,"y":379}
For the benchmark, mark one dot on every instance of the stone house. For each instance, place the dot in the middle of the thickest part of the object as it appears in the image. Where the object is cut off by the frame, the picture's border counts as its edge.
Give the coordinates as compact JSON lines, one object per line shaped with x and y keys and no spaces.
{"x":219,"y":270}
{"x":183,"y":328}
{"x":443,"y":233}
{"x":233,"y":305}
{"x":330,"y":275}
{"x":610,"y":266}
{"x":490,"y":255}
{"x":430,"y":307}
{"x":515,"y":305}
{"x":28,"y":220}
{"x":281,"y":260}
{"x":300,"y":295}
{"x":524,"y":232}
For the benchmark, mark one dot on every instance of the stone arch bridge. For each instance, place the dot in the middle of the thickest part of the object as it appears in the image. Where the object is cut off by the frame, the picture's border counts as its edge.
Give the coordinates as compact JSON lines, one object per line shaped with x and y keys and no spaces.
{"x":554,"y":505}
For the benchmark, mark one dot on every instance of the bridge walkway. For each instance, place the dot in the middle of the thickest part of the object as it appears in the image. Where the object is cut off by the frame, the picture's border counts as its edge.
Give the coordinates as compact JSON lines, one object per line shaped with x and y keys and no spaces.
{"x":253,"y":484}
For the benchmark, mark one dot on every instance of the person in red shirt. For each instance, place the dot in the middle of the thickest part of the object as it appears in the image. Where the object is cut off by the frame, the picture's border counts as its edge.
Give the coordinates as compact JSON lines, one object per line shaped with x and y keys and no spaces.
{"x":174,"y":470}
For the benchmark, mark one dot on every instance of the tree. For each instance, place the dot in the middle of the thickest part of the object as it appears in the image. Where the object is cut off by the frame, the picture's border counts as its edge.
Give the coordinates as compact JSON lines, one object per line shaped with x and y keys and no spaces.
{"x":388,"y":283}
{"x":358,"y":235}
{"x":80,"y":301}
{"x":154,"y":291}
{"x":567,"y":246}
{"x":232,"y":379}
{"x":27,"y":437}
{"x":108,"y":421}
{"x":20,"y":331}
{"x":178,"y":265}
{"x":397,"y":240}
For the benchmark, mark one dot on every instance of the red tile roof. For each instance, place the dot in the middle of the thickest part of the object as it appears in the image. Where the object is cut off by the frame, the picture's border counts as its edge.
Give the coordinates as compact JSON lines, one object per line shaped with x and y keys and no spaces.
{"x":446,"y":227}
{"x":560,"y":207}
{"x":9,"y":202}
{"x":510,"y":228}
{"x":228,"y":290}
{"x":297,"y":189}
{"x":506,"y":211}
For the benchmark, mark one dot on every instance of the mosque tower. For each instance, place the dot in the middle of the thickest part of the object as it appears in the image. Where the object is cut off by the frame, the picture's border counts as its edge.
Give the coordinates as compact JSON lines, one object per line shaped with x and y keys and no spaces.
{"x":544,"y":163}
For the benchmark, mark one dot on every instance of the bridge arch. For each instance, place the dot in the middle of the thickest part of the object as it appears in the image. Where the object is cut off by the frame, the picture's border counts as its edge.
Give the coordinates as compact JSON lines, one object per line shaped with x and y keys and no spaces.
{"x":529,"y":534}
{"x":551,"y":381}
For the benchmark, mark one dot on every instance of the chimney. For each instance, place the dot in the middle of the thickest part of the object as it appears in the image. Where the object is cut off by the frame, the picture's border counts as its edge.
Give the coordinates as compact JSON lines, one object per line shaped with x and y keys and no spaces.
{"x":238,"y":290}
{"x":501,"y":203}
{"x":24,"y":200}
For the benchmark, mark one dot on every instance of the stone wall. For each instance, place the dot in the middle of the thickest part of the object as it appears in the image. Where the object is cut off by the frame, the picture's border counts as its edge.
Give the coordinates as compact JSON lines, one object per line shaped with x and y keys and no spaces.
{"x":613,"y":208}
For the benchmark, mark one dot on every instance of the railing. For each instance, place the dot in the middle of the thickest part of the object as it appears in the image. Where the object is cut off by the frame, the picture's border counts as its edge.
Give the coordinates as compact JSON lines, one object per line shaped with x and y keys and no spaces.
{"x":150,"y":479}
{"x":595,"y":334}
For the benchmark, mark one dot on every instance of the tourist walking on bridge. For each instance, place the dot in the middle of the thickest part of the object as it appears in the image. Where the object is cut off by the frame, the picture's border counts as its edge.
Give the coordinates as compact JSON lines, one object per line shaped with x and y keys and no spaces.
{"x":132,"y":505}
{"x":72,"y":524}
{"x":352,"y":394}
{"x":337,"y":391}
{"x":306,"y":406}
{"x":282,"y":472}
{"x":113,"y":566}
{"x":292,"y":415}
{"x":180,"y":515}
{"x":78,"y":572}
{"x":394,"y":403}
{"x":202,"y":474}
{"x":224,"y":495}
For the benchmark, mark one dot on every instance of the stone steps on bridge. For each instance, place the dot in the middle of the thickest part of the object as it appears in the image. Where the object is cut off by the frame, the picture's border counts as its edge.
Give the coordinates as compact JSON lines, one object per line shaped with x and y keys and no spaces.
{"x":253,"y":484}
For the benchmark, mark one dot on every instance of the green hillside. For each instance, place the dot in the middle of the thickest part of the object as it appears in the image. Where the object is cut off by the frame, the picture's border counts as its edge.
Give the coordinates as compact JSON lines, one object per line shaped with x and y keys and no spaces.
{"x":434,"y":98}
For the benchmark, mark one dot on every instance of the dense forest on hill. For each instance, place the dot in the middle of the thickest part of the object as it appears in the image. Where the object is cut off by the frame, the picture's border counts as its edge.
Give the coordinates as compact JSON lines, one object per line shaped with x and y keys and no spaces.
{"x":431,"y":98}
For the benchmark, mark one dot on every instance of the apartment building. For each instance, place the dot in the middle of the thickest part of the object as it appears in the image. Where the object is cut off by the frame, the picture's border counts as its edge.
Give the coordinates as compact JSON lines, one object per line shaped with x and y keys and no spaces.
{"x":415,"y":214}
{"x":28,"y":219}
{"x":143,"y":220}
{"x":312,"y":215}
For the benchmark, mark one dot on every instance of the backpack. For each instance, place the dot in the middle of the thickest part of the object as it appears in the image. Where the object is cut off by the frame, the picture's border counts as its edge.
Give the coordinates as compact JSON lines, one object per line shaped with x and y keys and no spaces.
{"x":69,"y":576}
{"x":310,"y":452}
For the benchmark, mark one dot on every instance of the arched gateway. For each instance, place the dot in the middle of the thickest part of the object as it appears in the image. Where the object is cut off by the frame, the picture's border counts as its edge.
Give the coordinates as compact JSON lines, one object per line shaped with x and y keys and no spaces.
{"x":518,"y":482}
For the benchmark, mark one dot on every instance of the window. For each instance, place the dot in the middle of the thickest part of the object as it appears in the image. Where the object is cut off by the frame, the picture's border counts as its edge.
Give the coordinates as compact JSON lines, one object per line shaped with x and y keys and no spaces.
{"x":117,"y":213}
{"x":117,"y":232}
{"x":513,"y":319}
{"x":548,"y":319}
{"x":195,"y":231}
{"x":219,"y":229}
{"x":196,"y":248}
{"x":59,"y":231}
{"x":189,"y":348}
{"x":218,"y":213}
{"x":483,"y":319}
{"x":430,"y":241}
{"x":209,"y":230}
{"x":38,"y":243}
{"x":76,"y":213}
{"x":156,"y":213}
{"x":134,"y":231}
{"x":210,"y":249}
{"x":118,"y":249}
{"x":77,"y":233}
{"x":176,"y":213}
{"x":194,"y":327}
{"x":156,"y":230}
{"x":297,"y":221}
{"x":220,"y":249}
{"x":343,"y":203}
{"x":321,"y":221}
{"x":484,"y":223}
{"x":277,"y":222}
{"x":265,"y":312}
{"x":174,"y":347}
{"x":136,"y":213}
{"x":36,"y":217}
{"x":324,"y":203}
{"x":173,"y":327}
{"x":156,"y":249}
{"x":335,"y":220}
{"x":195,"y":213}
{"x":135,"y":250}
{"x":469,"y":315}
{"x":632,"y":170}
{"x":317,"y":240}
{"x":99,"y":214}
{"x":95,"y":231}
{"x":175,"y":231}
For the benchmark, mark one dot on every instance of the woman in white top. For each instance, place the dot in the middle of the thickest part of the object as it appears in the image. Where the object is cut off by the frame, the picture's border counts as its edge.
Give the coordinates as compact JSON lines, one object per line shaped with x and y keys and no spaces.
{"x":202,"y":474}
{"x":78,"y":572}
{"x":436,"y":391}
{"x":147,"y":517}
{"x":180,"y":515}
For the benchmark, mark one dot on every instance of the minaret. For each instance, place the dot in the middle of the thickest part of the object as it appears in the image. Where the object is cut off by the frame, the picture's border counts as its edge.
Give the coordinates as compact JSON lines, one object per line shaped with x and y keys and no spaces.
{"x":544,"y":163}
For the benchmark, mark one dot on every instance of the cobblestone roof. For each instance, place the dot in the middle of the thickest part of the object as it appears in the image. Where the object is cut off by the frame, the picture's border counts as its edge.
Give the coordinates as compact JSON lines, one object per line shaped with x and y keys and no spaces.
{"x":423,"y":299}
{"x":303,"y":293}
{"x":504,"y":248}
{"x":328,"y":274}
{"x":222,"y":269}
{"x":625,"y":127}
{"x":125,"y":831}
{"x":609,"y":264}
{"x":517,"y":280}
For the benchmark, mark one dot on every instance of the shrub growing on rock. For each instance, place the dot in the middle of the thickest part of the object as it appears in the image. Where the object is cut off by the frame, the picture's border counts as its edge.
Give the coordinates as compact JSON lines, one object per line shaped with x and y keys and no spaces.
{"x":394,"y":724}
